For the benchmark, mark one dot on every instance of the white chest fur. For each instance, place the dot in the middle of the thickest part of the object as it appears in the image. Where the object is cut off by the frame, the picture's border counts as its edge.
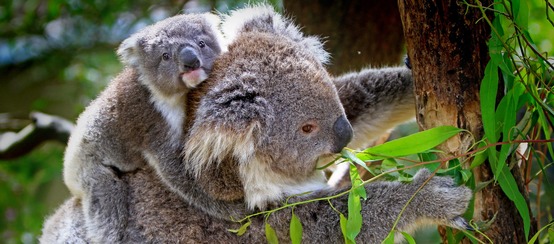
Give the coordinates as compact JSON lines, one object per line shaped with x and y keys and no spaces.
{"x":173,"y":111}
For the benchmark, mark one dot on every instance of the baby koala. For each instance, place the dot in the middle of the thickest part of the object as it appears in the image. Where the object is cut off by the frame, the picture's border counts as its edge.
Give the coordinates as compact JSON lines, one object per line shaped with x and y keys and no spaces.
{"x":138,"y":119}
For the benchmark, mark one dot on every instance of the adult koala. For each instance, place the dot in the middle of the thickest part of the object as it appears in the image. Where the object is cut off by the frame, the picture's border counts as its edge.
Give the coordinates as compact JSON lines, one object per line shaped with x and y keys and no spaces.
{"x":256,"y":130}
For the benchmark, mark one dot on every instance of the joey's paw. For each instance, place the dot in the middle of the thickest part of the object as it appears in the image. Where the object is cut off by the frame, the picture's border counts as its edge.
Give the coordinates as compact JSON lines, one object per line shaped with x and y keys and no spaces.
{"x":444,"y":202}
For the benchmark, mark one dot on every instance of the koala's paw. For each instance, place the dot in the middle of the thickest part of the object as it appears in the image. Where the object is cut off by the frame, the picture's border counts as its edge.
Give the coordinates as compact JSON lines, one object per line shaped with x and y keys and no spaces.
{"x":443,"y":201}
{"x":407,"y":62}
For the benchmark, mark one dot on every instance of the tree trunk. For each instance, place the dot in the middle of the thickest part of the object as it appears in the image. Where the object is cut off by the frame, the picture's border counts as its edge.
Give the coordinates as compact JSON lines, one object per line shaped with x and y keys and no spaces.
{"x":357,"y":33}
{"x":447,"y":47}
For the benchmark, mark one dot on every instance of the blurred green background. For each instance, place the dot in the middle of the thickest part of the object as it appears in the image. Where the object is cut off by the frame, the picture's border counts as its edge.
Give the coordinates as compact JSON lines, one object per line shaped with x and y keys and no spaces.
{"x":55,"y":57}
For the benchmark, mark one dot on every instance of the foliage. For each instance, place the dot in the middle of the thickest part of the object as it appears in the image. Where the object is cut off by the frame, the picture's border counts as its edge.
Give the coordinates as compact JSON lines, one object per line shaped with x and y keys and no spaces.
{"x":526,"y":75}
{"x":25,"y":195}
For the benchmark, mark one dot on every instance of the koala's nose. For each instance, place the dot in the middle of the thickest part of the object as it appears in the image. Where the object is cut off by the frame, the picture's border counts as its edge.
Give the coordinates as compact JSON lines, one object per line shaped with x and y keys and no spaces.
{"x":189,"y":58}
{"x":343,"y":133}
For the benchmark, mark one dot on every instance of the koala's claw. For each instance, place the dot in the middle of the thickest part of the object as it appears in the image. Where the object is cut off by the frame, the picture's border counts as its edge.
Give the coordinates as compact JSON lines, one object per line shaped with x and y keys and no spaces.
{"x":460,"y":223}
{"x":407,"y":62}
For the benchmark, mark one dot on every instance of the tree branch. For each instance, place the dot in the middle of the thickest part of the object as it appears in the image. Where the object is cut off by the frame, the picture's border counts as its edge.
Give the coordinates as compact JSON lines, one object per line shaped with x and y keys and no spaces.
{"x":43,"y":128}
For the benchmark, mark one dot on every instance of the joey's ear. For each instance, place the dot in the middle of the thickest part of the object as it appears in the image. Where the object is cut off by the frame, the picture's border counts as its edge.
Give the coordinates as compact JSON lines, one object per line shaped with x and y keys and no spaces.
{"x":128,"y":51}
{"x":264,"y":18}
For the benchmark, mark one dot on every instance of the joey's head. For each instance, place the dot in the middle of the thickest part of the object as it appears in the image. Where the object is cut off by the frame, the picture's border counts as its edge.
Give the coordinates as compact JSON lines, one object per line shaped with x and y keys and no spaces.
{"x":175,"y":54}
{"x":271,"y":107}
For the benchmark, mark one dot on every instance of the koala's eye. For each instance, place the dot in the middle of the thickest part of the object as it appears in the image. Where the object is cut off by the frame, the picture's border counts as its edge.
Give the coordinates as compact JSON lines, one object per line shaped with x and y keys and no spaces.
{"x":201,"y":44}
{"x":165,"y":56}
{"x":309,"y":128}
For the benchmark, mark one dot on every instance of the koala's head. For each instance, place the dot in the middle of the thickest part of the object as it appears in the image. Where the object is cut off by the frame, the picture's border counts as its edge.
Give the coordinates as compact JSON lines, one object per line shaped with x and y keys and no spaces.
{"x":175,"y":54}
{"x":271,"y":106}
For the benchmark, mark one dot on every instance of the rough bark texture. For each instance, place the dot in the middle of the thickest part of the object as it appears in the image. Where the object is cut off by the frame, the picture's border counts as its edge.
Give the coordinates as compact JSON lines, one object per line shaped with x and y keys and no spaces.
{"x":357,"y":33}
{"x":448,"y":52}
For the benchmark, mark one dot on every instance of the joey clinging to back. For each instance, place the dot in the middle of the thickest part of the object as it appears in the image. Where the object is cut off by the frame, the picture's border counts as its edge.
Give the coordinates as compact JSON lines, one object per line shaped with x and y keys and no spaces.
{"x":138,"y":118}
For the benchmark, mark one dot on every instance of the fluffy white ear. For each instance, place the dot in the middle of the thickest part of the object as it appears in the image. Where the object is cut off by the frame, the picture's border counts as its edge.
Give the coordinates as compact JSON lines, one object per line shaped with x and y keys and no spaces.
{"x":215,"y":22}
{"x":128,"y":50}
{"x":264,"y":18}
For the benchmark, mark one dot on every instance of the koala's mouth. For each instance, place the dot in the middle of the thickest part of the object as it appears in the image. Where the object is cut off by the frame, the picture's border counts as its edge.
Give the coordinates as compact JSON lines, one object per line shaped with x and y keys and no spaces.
{"x":192,"y":78}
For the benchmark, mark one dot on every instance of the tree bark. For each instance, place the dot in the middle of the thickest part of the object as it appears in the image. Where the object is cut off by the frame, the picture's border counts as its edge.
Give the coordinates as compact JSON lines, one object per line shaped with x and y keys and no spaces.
{"x":357,"y":33}
{"x":447,"y":47}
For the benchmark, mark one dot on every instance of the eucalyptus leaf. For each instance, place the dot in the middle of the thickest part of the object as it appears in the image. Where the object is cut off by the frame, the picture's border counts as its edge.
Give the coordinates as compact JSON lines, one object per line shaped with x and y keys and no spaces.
{"x":240,"y":231}
{"x":509,"y":187}
{"x":295,"y":229}
{"x":350,"y":156}
{"x":354,"y":223}
{"x":550,"y":232}
{"x":389,"y":239}
{"x":414,"y":143}
{"x":408,"y":238}
{"x":270,"y":234}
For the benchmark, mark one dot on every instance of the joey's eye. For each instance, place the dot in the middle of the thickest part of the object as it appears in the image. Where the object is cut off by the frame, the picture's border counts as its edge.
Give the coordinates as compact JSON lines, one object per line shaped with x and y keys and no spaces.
{"x":165,"y":56}
{"x":308,"y":128}
{"x":201,"y":44}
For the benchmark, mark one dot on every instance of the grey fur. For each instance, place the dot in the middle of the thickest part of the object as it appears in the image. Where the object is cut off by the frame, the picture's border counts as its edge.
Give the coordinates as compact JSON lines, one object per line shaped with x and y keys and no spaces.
{"x":138,"y":119}
{"x":247,"y":148}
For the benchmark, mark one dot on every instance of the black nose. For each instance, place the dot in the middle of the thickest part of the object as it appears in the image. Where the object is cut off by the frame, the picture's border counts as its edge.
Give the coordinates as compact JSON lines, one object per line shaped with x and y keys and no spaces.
{"x":189,"y":59}
{"x":343,"y":133}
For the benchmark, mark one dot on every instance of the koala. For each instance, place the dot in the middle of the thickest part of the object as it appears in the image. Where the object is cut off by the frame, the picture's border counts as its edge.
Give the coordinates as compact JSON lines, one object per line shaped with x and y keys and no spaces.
{"x":254,"y":133}
{"x":138,"y":119}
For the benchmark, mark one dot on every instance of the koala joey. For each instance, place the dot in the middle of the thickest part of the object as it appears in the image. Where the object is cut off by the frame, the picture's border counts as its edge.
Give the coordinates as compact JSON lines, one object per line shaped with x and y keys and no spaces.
{"x":254,"y":132}
{"x":138,"y":118}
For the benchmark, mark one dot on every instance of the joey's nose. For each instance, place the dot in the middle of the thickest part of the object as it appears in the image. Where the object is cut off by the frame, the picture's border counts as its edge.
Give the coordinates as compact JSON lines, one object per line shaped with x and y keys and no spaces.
{"x":189,"y":59}
{"x":343,"y":133}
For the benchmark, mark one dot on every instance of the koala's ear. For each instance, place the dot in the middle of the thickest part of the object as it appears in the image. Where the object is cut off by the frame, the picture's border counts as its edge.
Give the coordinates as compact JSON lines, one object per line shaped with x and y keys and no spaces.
{"x":228,"y":123}
{"x":264,"y":18}
{"x":128,"y":51}
{"x":215,"y":23}
{"x":235,"y":104}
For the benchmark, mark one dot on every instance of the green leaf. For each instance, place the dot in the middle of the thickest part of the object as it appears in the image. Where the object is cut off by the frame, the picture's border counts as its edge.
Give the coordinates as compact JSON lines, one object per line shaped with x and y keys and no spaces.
{"x":466,"y":175}
{"x":353,"y":158}
{"x":357,"y":182}
{"x":415,"y":143}
{"x":295,"y":229}
{"x":521,"y":13}
{"x":488,"y":90}
{"x":536,"y":236}
{"x":389,"y":239}
{"x":408,"y":238}
{"x":495,"y":43}
{"x":509,"y":113}
{"x":479,"y":159}
{"x":354,"y":223}
{"x":509,"y":187}
{"x":343,"y":222}
{"x":240,"y":231}
{"x":270,"y":234}
{"x":450,"y":236}
{"x":551,"y":234}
